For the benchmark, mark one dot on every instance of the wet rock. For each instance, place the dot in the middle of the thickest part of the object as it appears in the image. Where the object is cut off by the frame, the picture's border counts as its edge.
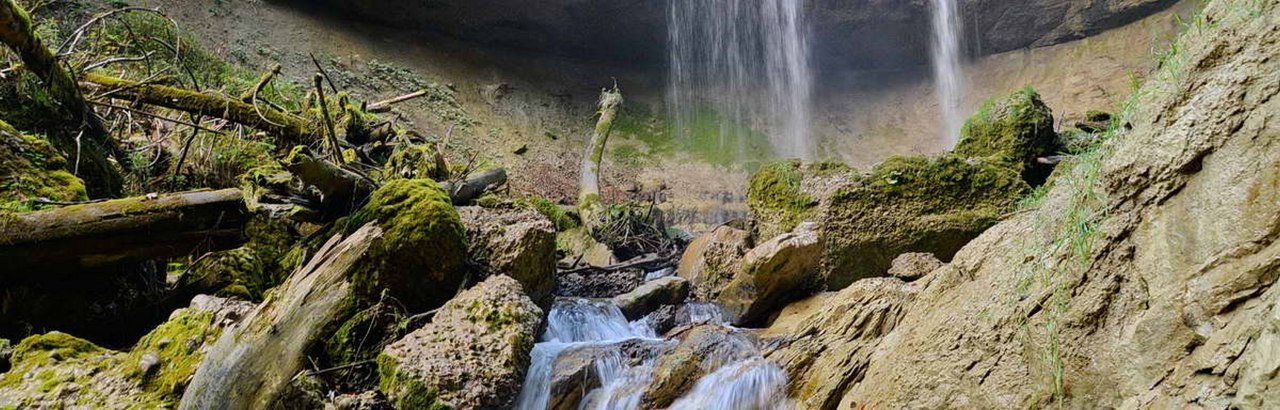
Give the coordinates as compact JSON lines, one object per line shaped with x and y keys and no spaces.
{"x":472,"y":355}
{"x":56,"y":369}
{"x":651,"y":295}
{"x":772,"y":274}
{"x":702,"y":349}
{"x":576,"y":370}
{"x":711,"y":260}
{"x":912,"y":266}
{"x":520,"y":243}
{"x":598,"y":284}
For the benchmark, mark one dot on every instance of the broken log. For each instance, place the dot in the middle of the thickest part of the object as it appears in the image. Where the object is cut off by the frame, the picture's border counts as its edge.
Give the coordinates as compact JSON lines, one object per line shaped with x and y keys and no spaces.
{"x":385,"y":105}
{"x":292,"y":129}
{"x":590,"y":205}
{"x":95,"y":235}
{"x":338,"y":186}
{"x":17,"y":32}
{"x":468,"y":190}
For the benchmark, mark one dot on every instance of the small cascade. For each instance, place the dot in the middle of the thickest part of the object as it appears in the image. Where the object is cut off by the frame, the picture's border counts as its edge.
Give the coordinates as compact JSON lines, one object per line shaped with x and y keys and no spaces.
{"x":948,"y":69}
{"x":742,"y":379}
{"x":743,"y":65}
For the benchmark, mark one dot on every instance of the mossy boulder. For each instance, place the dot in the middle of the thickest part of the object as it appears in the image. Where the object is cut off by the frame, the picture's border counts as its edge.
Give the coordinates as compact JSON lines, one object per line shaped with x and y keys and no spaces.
{"x":30,"y":169}
{"x":59,"y":370}
{"x":1017,"y":128}
{"x":473,"y":354}
{"x":783,"y":194}
{"x":421,"y":255}
{"x":246,"y":272}
{"x":520,"y":243}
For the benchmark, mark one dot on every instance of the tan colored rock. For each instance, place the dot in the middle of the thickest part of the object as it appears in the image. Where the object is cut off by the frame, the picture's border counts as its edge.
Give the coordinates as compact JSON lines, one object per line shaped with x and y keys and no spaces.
{"x":702,"y":350}
{"x":772,"y":274}
{"x":520,"y":243}
{"x":472,"y":355}
{"x":575,"y":372}
{"x":912,"y":266}
{"x":710,"y":260}
{"x":651,"y":295}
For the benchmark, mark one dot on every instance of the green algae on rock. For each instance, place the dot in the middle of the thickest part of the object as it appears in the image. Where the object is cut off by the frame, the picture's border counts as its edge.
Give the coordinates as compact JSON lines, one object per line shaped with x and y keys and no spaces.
{"x":1017,"y":128}
{"x":472,"y":355}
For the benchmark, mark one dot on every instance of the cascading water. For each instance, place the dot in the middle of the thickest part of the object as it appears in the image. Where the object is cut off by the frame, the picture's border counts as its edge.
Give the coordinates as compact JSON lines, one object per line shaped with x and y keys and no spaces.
{"x":740,"y":377}
{"x":747,"y":62}
{"x":948,"y":69}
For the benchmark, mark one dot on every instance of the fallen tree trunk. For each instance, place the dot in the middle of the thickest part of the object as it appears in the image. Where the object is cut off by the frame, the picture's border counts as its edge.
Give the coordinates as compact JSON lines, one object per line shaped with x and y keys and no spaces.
{"x":475,"y":186}
{"x":590,"y":206}
{"x":16,"y":31}
{"x":95,"y":235}
{"x":292,"y":129}
{"x":338,"y":187}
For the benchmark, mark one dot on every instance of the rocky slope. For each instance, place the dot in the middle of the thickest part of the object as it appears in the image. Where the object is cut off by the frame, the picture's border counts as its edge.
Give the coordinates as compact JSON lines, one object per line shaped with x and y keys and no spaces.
{"x":1142,"y":279}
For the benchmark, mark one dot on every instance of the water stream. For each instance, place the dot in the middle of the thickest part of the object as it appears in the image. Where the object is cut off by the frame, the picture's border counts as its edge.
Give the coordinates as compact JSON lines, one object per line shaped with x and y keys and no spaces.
{"x":948,"y":69}
{"x":741,"y":378}
{"x":743,"y":64}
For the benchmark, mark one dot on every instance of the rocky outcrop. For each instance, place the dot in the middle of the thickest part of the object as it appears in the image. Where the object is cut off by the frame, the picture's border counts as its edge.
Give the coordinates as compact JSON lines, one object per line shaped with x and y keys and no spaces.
{"x":56,"y":370}
{"x":710,"y":260}
{"x":651,"y":295}
{"x":472,"y":355}
{"x":1143,"y":279}
{"x":909,"y":204}
{"x":517,"y":243}
{"x":845,"y":33}
{"x":772,"y":274}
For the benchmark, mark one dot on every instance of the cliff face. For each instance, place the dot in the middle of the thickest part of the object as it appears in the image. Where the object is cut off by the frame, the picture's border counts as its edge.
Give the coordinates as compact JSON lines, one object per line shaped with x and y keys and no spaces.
{"x":863,"y":34}
{"x":1143,"y":278}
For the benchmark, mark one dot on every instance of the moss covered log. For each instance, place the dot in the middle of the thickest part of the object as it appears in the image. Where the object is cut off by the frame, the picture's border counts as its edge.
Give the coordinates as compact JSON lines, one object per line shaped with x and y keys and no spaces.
{"x":17,"y":32}
{"x":293,"y":130}
{"x":94,"y":235}
{"x":590,"y":205}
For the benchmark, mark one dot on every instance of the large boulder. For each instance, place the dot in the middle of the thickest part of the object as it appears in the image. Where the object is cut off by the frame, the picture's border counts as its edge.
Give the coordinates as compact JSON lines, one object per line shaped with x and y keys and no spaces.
{"x":54,"y":370}
{"x":651,"y":295}
{"x":520,"y":243}
{"x":473,"y":354}
{"x":710,"y":260}
{"x":771,"y":274}
{"x":908,"y":204}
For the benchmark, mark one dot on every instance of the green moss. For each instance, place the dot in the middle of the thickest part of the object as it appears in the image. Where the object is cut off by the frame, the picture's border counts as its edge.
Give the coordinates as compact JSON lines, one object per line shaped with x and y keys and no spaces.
{"x":31,"y":169}
{"x":176,"y":343}
{"x":775,"y":197}
{"x":1017,"y":128}
{"x":558,"y":215}
{"x":362,"y":336}
{"x":414,"y":161}
{"x":422,"y":251}
{"x":406,"y":391}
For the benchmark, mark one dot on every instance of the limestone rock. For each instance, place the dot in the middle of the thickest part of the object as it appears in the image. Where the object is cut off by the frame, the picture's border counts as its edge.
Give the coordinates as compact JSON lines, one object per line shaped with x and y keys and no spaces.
{"x":702,"y":349}
{"x":771,"y":274}
{"x":651,"y":295}
{"x":575,"y":370}
{"x":710,"y":260}
{"x":56,"y":369}
{"x":517,"y":243}
{"x":473,"y":354}
{"x":912,"y":266}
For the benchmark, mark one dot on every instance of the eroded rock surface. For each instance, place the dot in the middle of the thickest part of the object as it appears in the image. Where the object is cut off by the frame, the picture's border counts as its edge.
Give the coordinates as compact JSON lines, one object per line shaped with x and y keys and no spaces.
{"x":517,"y":243}
{"x":472,"y":355}
{"x":771,"y":274}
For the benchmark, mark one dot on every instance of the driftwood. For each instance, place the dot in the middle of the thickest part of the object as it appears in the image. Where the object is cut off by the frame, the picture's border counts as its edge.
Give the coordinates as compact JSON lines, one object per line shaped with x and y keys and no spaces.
{"x":647,"y":263}
{"x":385,"y":105}
{"x":292,"y":129}
{"x":95,"y":235}
{"x":590,"y":205}
{"x":16,"y":31}
{"x":337,"y":186}
{"x":475,"y":186}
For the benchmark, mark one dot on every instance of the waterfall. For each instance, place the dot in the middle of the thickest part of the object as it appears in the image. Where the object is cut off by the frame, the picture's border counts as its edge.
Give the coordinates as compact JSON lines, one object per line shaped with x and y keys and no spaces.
{"x":948,"y":71}
{"x":747,"y":62}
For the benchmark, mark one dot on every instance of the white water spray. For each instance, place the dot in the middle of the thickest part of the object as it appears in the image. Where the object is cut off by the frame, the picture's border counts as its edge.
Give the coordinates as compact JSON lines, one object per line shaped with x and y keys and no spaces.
{"x":747,"y":61}
{"x":948,"y":70}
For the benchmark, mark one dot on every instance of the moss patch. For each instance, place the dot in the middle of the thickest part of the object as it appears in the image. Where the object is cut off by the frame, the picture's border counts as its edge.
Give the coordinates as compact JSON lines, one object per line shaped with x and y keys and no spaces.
{"x":31,"y":169}
{"x":1017,"y":128}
